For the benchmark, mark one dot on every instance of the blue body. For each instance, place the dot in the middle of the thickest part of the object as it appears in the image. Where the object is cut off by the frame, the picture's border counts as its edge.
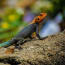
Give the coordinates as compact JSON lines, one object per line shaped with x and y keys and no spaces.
{"x":26,"y":32}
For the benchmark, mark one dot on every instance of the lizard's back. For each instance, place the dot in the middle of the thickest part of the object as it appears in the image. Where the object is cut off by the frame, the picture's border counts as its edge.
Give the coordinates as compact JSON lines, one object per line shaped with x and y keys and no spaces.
{"x":27,"y":31}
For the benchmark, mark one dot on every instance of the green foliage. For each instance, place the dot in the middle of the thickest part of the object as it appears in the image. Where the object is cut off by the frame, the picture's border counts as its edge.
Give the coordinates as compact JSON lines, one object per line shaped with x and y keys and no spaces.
{"x":58,"y":6}
{"x":11,"y":21}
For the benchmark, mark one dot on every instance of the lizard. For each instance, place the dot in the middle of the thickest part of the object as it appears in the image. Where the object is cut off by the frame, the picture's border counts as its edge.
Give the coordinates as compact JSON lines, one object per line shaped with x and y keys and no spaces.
{"x":27,"y":31}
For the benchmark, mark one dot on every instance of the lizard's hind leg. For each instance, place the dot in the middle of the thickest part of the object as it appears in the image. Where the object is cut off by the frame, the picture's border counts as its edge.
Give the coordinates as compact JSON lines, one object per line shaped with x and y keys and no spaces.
{"x":20,"y":42}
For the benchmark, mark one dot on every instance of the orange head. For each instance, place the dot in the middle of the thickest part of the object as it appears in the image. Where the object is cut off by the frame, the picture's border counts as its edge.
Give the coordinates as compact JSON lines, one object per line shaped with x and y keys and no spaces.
{"x":39,"y":18}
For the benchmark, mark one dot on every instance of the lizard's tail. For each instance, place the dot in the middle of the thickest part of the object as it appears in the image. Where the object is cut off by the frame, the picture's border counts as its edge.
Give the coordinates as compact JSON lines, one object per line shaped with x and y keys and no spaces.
{"x":5,"y":44}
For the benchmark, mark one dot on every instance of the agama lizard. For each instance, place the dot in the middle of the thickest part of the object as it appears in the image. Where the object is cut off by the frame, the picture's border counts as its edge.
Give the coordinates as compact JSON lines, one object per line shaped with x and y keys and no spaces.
{"x":27,"y":31}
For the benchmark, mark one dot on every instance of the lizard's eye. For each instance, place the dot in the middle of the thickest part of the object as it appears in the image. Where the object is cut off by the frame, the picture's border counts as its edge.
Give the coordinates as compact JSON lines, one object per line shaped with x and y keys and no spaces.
{"x":38,"y":19}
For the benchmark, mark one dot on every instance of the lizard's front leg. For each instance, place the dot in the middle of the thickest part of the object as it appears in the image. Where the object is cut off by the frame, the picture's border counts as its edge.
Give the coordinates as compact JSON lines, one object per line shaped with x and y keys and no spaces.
{"x":37,"y":33}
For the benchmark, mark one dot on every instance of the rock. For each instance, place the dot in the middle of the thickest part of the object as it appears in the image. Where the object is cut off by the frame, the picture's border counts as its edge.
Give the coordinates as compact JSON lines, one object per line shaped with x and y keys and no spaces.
{"x":50,"y":51}
{"x":4,"y":64}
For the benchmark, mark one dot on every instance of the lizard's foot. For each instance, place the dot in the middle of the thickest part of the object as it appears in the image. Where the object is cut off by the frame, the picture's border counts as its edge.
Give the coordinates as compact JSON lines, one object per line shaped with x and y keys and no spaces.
{"x":43,"y":38}
{"x":18,"y":46}
{"x":19,"y":43}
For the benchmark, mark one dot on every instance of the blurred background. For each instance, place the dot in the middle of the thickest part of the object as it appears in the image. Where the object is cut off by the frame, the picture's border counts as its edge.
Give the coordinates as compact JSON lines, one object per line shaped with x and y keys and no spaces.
{"x":16,"y":14}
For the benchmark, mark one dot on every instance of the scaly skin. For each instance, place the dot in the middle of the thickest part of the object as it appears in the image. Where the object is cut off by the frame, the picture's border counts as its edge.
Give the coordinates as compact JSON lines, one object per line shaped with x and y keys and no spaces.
{"x":26,"y":32}
{"x":4,"y":44}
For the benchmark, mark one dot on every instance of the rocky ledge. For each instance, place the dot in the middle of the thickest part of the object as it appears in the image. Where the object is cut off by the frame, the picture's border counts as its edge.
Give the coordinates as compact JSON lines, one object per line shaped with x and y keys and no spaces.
{"x":50,"y":51}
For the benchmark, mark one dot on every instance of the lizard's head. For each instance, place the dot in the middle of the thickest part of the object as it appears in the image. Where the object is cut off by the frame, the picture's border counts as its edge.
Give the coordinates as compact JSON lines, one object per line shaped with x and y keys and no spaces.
{"x":40,"y":18}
